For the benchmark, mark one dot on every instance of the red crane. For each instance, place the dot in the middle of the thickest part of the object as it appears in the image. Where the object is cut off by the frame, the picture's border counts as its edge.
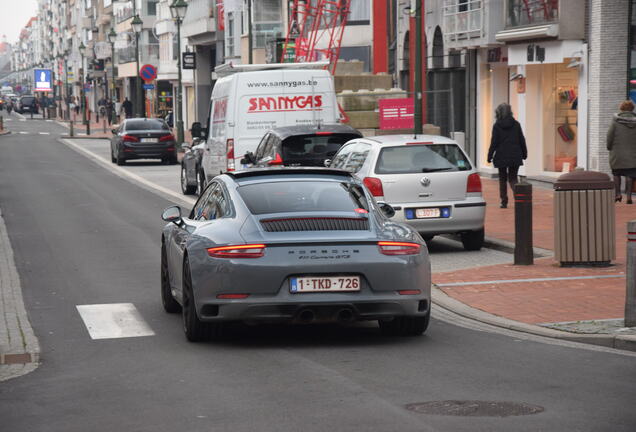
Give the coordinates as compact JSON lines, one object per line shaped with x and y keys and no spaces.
{"x":315,"y":30}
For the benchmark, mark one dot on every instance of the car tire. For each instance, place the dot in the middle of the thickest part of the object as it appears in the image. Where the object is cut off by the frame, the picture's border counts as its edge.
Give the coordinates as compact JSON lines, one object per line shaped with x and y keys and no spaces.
{"x":173,"y":160}
{"x":200,"y":182}
{"x":185,"y":187}
{"x":170,"y":305}
{"x":120,"y":159}
{"x":405,"y":325}
{"x":428,"y":238}
{"x":473,"y":240}
{"x":195,"y":330}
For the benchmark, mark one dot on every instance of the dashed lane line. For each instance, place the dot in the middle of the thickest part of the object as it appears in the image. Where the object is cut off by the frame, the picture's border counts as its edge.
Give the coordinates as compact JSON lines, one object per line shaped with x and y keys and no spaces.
{"x":45,"y":133}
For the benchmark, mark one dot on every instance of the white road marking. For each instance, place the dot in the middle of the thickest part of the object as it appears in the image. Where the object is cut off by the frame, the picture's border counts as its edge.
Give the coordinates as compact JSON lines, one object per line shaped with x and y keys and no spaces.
{"x":112,"y":321}
{"x":45,"y":133}
{"x":23,"y":132}
{"x":49,"y":120}
{"x":23,"y":119}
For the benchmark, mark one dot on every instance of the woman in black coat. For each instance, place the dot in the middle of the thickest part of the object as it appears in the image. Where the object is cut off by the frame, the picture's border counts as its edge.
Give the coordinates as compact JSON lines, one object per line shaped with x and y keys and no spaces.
{"x":507,"y":149}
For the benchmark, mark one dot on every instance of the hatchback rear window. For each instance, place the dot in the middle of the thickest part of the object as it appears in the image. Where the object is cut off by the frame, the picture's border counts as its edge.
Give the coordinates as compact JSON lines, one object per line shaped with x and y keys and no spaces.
{"x":146,"y":124}
{"x":305,"y":149}
{"x":421,"y":159}
{"x":27,"y":100}
{"x":304,"y":196}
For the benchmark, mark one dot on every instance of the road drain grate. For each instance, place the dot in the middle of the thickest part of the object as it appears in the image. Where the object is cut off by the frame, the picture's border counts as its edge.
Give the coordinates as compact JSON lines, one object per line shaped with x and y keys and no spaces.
{"x":474,"y":408}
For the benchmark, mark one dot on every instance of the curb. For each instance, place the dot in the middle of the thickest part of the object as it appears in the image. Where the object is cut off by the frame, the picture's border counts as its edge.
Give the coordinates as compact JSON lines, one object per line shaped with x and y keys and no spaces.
{"x":83,"y":137}
{"x":443,"y":300}
{"x":18,"y":343}
{"x":509,"y":247}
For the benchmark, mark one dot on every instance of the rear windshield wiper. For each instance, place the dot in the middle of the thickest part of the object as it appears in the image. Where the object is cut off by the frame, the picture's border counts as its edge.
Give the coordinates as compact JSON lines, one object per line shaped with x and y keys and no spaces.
{"x":427,"y":170}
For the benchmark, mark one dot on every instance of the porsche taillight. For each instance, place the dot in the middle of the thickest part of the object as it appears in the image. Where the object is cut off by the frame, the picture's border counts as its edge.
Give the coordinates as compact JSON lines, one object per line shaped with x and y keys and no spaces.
{"x":238,"y":251}
{"x":399,"y":248}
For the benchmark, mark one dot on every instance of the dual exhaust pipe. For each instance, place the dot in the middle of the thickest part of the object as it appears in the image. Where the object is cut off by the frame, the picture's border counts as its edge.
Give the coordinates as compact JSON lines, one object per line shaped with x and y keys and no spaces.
{"x":307,"y":316}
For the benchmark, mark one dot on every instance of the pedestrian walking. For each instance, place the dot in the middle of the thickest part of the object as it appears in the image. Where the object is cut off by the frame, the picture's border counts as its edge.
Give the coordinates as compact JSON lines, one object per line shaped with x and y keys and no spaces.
{"x":109,"y":111}
{"x":507,"y":150}
{"x":77,"y":105}
{"x":621,"y":143}
{"x":127,"y":107}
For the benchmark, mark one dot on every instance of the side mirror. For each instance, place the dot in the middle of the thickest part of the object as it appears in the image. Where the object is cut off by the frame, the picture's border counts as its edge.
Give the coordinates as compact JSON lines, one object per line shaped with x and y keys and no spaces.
{"x":197,"y":130}
{"x":172,"y":214}
{"x":386,"y":209}
{"x":327,"y":162}
{"x":248,"y":158}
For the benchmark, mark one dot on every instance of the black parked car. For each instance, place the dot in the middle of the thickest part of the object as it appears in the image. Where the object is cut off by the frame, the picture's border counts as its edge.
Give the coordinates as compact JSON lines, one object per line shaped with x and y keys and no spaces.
{"x":28,"y":104}
{"x":143,"y":138}
{"x":192,"y":177}
{"x":307,"y":145}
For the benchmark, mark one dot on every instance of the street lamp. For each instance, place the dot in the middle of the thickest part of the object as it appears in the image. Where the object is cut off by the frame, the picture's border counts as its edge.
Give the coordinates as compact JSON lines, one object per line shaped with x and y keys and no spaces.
{"x":112,"y":37}
{"x":178,"y":10}
{"x":137,"y":26}
{"x":82,"y":50}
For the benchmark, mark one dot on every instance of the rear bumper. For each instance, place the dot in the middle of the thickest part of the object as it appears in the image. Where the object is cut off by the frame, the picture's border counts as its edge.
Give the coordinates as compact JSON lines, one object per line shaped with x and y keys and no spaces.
{"x":467,"y":215}
{"x":159,"y":151}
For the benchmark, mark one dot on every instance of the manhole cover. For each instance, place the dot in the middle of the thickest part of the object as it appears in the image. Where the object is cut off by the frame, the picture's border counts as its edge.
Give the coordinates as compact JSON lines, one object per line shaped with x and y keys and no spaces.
{"x":474,"y":408}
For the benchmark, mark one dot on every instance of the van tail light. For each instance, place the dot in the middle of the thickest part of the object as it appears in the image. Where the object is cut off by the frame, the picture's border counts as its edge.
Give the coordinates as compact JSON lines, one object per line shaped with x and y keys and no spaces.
{"x":129,"y":138}
{"x":473,"y":184}
{"x":168,"y":137}
{"x":399,"y":248}
{"x":238,"y":251}
{"x":374,"y":185}
{"x":229,"y":154}
{"x":276,"y":161}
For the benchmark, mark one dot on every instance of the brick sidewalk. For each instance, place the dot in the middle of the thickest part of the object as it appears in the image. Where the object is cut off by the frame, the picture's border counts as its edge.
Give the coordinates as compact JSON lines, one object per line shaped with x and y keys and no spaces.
{"x":596,"y":297}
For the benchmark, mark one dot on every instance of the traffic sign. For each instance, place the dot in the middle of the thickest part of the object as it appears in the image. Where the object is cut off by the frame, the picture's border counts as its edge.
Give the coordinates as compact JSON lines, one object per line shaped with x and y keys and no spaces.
{"x":43,"y":81}
{"x":189,"y":60}
{"x":148,"y":72}
{"x":149,"y":86}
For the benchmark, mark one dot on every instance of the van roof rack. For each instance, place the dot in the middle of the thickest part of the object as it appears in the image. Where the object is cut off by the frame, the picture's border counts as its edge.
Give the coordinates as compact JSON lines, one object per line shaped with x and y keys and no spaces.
{"x":230,"y":68}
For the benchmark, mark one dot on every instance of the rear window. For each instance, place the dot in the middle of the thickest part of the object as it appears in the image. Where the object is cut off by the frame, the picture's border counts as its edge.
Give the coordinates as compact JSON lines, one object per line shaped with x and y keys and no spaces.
{"x":305,"y":196}
{"x":421,"y":159}
{"x":146,"y":124}
{"x":27,"y":100}
{"x":304,"y":149}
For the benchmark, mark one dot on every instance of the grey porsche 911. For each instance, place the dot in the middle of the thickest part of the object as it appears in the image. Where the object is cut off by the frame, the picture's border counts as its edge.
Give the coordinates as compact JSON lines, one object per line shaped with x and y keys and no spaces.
{"x":296,"y":245}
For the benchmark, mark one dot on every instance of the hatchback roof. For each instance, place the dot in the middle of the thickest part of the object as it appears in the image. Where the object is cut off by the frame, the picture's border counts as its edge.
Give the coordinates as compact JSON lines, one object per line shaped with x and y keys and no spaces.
{"x":287,"y":131}
{"x":392,"y":140}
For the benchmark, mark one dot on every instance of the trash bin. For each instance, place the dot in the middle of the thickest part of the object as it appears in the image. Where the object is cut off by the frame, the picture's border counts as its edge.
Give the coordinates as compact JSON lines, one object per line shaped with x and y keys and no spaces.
{"x":584,"y":221}
{"x":51,"y":112}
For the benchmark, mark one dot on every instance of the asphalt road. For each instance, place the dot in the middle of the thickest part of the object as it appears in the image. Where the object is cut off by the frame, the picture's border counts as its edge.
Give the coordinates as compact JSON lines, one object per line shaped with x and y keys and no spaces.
{"x":84,"y":236}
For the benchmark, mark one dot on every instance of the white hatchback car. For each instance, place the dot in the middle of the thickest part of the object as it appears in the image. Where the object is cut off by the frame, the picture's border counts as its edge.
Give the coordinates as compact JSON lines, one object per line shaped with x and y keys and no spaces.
{"x":428,"y":180}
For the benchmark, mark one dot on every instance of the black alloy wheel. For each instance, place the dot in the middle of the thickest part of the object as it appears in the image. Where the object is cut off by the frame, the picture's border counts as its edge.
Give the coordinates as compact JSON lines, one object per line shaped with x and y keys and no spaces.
{"x":185,"y":187}
{"x":405,"y":325}
{"x":194,"y":329}
{"x":473,"y":240}
{"x":170,"y":305}
{"x":120,"y":158}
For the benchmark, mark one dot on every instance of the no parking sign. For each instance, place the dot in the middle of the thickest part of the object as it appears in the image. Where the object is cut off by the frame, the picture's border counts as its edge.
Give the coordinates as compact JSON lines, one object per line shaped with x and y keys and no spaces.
{"x":148,"y":72}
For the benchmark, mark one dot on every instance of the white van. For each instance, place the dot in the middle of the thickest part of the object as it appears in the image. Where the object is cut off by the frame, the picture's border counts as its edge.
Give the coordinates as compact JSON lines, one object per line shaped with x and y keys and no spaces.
{"x":244,"y":105}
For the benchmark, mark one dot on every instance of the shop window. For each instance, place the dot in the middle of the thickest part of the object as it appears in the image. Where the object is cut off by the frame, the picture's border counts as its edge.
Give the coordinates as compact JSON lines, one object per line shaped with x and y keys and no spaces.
{"x":560,"y":129}
{"x":632,"y":54}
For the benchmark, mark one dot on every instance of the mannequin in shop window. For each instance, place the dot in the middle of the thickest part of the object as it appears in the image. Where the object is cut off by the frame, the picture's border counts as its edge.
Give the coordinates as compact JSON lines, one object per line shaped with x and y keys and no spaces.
{"x":621,"y":143}
{"x":507,"y":150}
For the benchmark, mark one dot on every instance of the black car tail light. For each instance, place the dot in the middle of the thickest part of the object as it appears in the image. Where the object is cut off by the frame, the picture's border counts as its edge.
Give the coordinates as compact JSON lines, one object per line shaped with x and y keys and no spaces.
{"x":168,"y":137}
{"x":129,"y":138}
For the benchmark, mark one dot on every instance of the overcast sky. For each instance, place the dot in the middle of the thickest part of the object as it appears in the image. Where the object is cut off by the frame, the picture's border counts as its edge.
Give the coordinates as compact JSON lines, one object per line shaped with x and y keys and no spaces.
{"x":15,"y":15}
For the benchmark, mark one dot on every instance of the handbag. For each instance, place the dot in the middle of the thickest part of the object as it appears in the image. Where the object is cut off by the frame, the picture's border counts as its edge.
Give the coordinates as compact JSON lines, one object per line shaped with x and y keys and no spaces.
{"x":565,"y":131}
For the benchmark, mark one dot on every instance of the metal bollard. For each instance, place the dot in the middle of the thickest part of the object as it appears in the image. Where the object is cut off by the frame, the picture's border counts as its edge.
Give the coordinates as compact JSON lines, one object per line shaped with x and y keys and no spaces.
{"x":523,"y":224}
{"x":71,"y":131}
{"x":630,"y":269}
{"x":104,"y":123}
{"x":1,"y":123}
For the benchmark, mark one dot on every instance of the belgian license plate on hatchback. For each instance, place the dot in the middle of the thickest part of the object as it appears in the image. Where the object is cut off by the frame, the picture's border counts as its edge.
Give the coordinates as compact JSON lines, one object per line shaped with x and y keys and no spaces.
{"x":425,"y":213}
{"x":324,"y":284}
{"x":149,"y":140}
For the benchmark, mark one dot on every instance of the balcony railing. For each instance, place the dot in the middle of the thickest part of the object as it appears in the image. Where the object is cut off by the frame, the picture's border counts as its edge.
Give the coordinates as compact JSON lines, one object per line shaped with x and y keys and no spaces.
{"x":531,"y":12}
{"x":463,"y":19}
{"x":199,"y":18}
{"x":148,"y":53}
{"x":123,"y":10}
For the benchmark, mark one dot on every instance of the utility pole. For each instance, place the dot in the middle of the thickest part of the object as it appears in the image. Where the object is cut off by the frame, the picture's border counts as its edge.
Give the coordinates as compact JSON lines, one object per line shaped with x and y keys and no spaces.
{"x":416,"y":8}
{"x":249,"y":32}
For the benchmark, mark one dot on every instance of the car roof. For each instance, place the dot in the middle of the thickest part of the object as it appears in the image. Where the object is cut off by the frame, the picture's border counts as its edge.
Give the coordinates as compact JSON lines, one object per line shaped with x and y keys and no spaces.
{"x":287,"y":131}
{"x":310,"y":172}
{"x":395,"y":140}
